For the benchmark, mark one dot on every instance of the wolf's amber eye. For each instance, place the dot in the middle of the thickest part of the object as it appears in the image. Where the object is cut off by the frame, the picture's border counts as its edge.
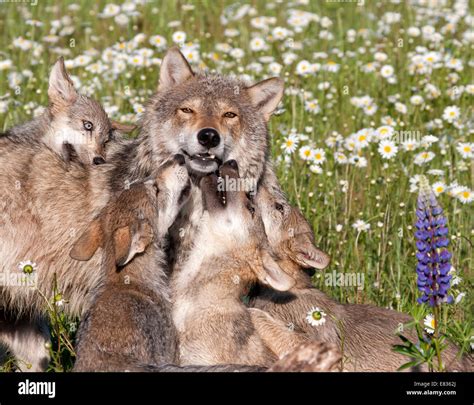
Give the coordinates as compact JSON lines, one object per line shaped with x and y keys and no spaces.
{"x":230,"y":114}
{"x":186,"y":110}
{"x":88,"y":126}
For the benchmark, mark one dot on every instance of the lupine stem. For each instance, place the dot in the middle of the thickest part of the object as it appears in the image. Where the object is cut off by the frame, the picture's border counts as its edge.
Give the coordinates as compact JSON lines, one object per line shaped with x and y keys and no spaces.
{"x":436,"y":337}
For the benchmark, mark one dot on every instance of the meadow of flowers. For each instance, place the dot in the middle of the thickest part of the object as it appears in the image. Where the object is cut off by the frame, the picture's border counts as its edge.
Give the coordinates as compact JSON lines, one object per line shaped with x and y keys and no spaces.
{"x":378,"y":93}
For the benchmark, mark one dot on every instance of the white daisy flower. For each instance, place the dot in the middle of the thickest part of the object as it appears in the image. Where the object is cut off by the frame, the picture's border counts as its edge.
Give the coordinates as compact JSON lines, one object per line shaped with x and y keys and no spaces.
{"x":384,"y":132}
{"x":465,"y":195}
{"x":312,"y":106}
{"x":429,"y":323}
{"x":110,"y":10}
{"x":439,"y":187}
{"x":371,"y":109}
{"x":158,"y":41}
{"x":387,"y":71}
{"x":340,"y":158}
{"x":303,"y":68}
{"x":315,"y":168}
{"x":290,"y":143}
{"x":387,"y":149}
{"x":27,"y":267}
{"x":306,"y":153}
{"x":436,"y":172}
{"x":319,"y":155}
{"x":179,"y":37}
{"x":424,"y":157}
{"x":451,"y":113}
{"x":401,"y":108}
{"x":416,"y":100}
{"x":316,"y":316}
{"x":361,"y":226}
{"x":258,"y":44}
{"x":466,"y":150}
{"x":410,"y":145}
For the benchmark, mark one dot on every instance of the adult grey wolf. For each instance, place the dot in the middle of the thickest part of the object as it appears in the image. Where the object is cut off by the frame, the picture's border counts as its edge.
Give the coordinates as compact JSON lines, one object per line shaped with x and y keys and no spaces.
{"x":47,"y":203}
{"x":210,"y":119}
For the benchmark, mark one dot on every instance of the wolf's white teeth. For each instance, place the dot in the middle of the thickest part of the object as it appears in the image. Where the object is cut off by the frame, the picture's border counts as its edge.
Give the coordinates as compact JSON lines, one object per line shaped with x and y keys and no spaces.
{"x":212,"y":156}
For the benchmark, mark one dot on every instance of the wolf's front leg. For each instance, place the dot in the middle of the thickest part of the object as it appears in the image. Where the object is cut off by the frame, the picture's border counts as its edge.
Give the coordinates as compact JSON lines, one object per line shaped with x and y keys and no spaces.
{"x":26,"y":339}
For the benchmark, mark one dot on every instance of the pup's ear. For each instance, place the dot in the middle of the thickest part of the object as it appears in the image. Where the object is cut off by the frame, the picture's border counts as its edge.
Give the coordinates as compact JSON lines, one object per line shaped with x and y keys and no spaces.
{"x":174,"y":69}
{"x":273,"y":275}
{"x":88,"y":243}
{"x":61,"y":91}
{"x":303,"y":252}
{"x":131,"y":240}
{"x":124,"y":128}
{"x":266,"y":95}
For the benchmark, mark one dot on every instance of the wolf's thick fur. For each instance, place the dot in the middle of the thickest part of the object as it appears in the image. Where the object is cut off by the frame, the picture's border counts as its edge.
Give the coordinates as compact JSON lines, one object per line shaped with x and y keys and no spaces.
{"x":364,"y":333}
{"x":229,"y":255}
{"x":47,"y":203}
{"x":76,"y":127}
{"x":131,"y":316}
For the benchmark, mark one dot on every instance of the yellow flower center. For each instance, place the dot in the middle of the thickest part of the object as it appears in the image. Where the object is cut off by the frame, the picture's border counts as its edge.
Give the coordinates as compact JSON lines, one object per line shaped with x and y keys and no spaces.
{"x":316,"y":315}
{"x":387,"y":148}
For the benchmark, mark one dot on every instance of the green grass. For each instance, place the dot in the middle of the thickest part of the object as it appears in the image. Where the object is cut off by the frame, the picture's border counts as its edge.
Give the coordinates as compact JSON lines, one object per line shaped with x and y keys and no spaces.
{"x":379,"y":193}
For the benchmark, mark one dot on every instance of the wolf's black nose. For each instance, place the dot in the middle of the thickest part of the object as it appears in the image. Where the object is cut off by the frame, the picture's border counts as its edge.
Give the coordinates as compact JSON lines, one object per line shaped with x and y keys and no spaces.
{"x":208,"y":137}
{"x":98,"y":160}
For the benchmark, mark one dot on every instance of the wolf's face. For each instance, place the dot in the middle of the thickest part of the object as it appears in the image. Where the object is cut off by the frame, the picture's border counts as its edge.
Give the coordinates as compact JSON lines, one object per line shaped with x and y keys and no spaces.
{"x":136,"y":216}
{"x":290,"y":235}
{"x":80,"y":128}
{"x":210,"y":118}
{"x":235,"y":223}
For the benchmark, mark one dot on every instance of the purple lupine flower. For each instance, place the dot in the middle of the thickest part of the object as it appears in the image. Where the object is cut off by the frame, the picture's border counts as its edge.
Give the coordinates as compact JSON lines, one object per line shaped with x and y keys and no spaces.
{"x":434,"y":260}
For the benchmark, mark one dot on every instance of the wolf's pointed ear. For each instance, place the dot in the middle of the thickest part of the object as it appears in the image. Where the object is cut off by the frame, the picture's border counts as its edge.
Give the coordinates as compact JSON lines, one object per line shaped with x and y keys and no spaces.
{"x":61,"y":91}
{"x":174,"y":69}
{"x":88,"y":243}
{"x":307,"y":255}
{"x":124,"y":128}
{"x":130,"y":241}
{"x":273,"y":275}
{"x":266,"y":95}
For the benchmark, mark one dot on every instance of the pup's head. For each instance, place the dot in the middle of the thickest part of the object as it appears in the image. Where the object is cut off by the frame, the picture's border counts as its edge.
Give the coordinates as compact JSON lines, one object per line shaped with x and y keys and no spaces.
{"x":210,"y":118}
{"x":289,"y":235}
{"x":80,"y":127}
{"x":145,"y":211}
{"x":234,"y":222}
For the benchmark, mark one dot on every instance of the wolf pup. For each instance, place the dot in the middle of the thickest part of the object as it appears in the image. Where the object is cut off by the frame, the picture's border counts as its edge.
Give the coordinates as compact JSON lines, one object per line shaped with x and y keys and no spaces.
{"x":230,"y":254}
{"x":130,"y":322}
{"x":366,"y":333}
{"x":74,"y":126}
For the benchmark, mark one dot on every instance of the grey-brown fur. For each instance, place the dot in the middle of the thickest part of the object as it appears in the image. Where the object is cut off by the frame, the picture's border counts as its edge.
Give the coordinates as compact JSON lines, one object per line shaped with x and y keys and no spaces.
{"x":64,"y":125}
{"x":130,"y":319}
{"x":214,"y":326}
{"x":364,"y":333}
